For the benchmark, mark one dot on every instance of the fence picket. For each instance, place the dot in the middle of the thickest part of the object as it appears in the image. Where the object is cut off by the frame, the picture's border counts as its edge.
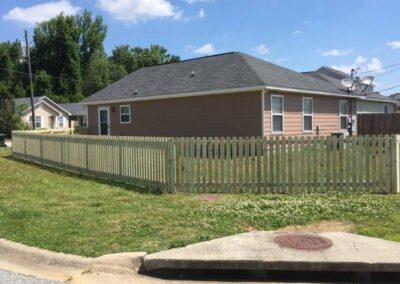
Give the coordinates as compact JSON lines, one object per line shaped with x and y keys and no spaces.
{"x":275,"y":164}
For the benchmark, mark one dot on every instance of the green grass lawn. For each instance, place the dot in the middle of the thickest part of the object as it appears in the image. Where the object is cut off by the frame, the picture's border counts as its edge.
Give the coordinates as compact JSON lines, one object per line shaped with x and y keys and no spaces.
{"x":74,"y":214}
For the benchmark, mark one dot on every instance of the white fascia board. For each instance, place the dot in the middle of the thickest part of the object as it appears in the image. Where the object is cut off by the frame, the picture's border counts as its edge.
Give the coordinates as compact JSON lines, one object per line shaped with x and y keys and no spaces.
{"x":182,"y":95}
{"x":217,"y":92}
{"x":63,"y":109}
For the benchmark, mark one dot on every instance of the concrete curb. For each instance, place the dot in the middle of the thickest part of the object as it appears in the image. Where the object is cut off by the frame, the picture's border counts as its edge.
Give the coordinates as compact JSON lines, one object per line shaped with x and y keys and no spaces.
{"x":111,"y":263}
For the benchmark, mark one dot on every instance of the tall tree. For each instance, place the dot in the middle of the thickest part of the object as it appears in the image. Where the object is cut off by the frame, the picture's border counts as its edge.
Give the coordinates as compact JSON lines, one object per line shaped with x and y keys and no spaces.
{"x":133,"y":58}
{"x":91,"y":34}
{"x":56,"y":51}
{"x":43,"y":86}
{"x":97,"y":74}
{"x":9,"y":116}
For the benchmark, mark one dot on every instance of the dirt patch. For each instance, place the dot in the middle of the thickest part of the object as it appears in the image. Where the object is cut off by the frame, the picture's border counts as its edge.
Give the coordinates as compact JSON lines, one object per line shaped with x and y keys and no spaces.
{"x":324,"y":226}
{"x":209,"y":197}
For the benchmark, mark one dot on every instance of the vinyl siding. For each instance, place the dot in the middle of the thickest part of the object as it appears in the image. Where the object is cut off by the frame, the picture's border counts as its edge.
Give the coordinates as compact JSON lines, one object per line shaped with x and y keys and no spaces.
{"x":325,"y":114}
{"x":237,"y":114}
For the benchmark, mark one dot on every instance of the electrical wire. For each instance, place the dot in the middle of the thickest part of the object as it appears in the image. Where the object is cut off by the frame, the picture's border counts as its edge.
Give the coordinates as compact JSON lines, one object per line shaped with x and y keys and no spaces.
{"x":390,"y":88}
{"x":379,"y":69}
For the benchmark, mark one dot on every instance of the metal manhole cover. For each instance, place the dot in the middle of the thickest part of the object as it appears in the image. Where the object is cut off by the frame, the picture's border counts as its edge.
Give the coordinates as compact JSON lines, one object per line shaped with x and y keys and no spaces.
{"x":303,"y":241}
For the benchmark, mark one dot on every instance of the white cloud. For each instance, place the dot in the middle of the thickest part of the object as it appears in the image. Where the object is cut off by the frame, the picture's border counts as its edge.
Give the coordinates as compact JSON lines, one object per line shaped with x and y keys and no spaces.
{"x":393,"y":44}
{"x":280,"y":60}
{"x":41,"y":12}
{"x":134,"y":11}
{"x":194,"y":1}
{"x":206,"y":49}
{"x":297,"y":32}
{"x":201,"y":14}
{"x":336,"y":52}
{"x":261,"y":49}
{"x":361,"y":62}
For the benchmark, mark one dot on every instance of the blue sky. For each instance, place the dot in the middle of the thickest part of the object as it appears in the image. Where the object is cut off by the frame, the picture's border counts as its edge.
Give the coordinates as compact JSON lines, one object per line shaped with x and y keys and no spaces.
{"x":300,"y":35}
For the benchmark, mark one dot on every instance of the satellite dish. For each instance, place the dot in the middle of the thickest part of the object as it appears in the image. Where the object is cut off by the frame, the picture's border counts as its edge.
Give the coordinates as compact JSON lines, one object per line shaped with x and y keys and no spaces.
{"x":367,"y":80}
{"x":347,"y":82}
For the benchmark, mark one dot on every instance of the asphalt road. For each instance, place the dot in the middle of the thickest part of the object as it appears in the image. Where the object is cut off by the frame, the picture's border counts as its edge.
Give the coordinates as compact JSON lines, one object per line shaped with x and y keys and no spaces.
{"x":7,"y":277}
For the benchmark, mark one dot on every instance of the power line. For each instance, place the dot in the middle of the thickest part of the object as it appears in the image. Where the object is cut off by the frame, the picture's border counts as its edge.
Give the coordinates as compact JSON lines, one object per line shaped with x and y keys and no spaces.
{"x":391,"y":71}
{"x":391,"y":88}
{"x":52,"y":77}
{"x":379,"y":69}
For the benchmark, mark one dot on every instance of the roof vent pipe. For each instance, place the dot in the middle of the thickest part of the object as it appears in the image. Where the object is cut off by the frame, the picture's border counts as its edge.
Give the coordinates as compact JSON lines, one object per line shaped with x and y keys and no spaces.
{"x":192,"y":75}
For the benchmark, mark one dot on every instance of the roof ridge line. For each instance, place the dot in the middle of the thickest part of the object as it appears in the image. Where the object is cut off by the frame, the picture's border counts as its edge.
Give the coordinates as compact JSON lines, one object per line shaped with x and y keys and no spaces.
{"x":250,"y":69}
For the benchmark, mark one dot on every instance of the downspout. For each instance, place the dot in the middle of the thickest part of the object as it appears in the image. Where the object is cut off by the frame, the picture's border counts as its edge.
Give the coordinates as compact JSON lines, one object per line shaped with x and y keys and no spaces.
{"x":263,"y":91}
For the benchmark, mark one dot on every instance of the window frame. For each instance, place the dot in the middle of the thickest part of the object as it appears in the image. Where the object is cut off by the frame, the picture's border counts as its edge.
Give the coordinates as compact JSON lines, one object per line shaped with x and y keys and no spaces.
{"x":343,"y":115}
{"x":305,"y":114}
{"x":385,"y":109}
{"x":36,"y":120}
{"x":60,"y":119}
{"x":121,"y":114}
{"x":281,"y":114}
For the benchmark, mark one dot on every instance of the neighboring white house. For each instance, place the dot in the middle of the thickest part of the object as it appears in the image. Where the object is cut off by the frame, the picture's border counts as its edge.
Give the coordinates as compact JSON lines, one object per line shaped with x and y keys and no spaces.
{"x":78,"y":114}
{"x":48,"y":114}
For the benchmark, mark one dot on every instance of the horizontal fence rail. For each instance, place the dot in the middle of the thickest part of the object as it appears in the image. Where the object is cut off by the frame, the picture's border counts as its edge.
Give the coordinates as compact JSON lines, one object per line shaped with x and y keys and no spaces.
{"x":140,"y":161}
{"x":232,"y":165}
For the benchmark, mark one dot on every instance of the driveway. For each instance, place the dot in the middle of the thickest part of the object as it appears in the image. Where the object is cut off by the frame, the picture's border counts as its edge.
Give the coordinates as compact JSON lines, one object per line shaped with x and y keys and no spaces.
{"x":16,"y":278}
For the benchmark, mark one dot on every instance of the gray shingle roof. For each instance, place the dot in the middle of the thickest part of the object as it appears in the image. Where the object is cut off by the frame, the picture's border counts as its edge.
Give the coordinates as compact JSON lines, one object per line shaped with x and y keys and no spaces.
{"x":75,"y":109}
{"x":27,"y":101}
{"x":334,"y":77}
{"x":223,"y":71}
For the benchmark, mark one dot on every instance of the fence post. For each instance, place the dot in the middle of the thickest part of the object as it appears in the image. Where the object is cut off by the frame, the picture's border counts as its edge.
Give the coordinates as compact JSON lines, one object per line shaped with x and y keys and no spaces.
{"x":119,"y":141}
{"x":87,"y":153}
{"x":395,"y":164}
{"x":170,"y":165}
{"x":41,"y":149}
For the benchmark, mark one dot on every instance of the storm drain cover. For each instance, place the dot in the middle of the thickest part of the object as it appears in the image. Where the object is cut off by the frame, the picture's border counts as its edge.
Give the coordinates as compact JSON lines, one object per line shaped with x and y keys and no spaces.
{"x":303,"y":241}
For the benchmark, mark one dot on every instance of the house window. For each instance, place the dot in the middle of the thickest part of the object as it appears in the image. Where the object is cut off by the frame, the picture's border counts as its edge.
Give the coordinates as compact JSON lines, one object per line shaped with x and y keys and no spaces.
{"x":60,"y":121}
{"x":38,"y":121}
{"x":82,"y":121}
{"x":277,"y":114}
{"x":386,"y":109}
{"x":343,"y":112}
{"x":307,"y":114}
{"x":125,"y":114}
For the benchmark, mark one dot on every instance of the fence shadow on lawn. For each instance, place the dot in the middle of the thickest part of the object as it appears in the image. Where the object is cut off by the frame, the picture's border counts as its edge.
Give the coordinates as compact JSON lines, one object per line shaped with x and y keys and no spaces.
{"x":125,"y":186}
{"x":223,"y":165}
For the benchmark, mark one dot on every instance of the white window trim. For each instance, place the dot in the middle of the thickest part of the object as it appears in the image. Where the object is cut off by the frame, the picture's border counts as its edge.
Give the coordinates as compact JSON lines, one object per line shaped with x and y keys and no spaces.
{"x":107,"y":108}
{"x":283,"y":115}
{"x":386,"y":107}
{"x":31,"y":121}
{"x":312,"y":114}
{"x":58,"y":122}
{"x":120,"y":114}
{"x":346,"y":115}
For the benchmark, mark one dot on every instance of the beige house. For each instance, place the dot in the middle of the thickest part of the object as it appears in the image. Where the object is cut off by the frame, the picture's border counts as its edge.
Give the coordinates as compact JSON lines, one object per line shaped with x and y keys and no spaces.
{"x":49,"y":115}
{"x":231,"y":94}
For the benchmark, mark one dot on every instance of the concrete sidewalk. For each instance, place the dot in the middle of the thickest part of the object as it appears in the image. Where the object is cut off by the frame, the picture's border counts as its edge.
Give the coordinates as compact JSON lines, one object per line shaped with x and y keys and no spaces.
{"x":259,"y":251}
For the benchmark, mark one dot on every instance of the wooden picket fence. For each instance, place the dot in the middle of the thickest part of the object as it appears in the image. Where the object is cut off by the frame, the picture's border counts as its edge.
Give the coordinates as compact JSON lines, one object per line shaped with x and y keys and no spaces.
{"x":234,"y":165}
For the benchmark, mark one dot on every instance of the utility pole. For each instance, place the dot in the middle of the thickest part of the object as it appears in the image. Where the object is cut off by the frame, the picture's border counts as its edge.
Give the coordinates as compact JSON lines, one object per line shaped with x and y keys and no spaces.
{"x":30,"y":80}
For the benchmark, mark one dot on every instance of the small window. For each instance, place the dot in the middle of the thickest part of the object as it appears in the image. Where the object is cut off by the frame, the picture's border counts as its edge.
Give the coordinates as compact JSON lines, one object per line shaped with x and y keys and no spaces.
{"x":307,"y":114}
{"x":343,"y":113}
{"x":386,"y":109}
{"x":277,"y":114}
{"x":60,"y":121}
{"x":125,"y":114}
{"x":38,"y":121}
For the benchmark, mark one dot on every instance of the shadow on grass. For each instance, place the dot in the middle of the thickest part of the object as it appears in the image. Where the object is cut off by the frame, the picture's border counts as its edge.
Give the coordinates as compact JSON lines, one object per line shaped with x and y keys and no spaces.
{"x":125,"y":186}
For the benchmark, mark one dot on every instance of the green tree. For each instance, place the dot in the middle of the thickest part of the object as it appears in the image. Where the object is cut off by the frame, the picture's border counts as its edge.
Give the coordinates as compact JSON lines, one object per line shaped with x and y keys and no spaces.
{"x":91,"y":34}
{"x":9,"y":117}
{"x":42,"y":85}
{"x":56,"y":51}
{"x":97,"y":74}
{"x":133,"y":58}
